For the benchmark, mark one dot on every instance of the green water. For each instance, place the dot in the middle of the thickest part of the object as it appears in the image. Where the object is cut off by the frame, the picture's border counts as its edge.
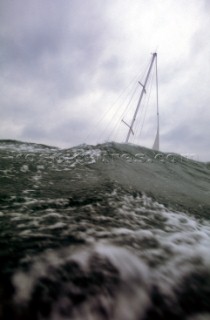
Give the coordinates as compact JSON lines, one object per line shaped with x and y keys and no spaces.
{"x":112,"y":231}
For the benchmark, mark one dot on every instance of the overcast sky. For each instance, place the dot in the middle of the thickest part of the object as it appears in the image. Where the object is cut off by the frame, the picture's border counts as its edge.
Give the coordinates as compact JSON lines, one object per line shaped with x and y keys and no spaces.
{"x":64,"y":62}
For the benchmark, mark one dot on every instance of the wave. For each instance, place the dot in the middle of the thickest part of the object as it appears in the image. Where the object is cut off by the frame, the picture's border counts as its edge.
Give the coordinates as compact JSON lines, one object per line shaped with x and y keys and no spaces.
{"x":112,"y":231}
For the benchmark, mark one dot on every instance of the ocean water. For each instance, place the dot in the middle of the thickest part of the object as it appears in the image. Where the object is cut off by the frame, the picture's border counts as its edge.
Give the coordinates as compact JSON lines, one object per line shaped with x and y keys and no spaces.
{"x":112,"y":231}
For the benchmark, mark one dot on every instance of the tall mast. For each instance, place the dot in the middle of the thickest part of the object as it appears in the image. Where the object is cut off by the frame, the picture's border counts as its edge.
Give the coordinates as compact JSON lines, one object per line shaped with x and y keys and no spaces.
{"x":154,"y":55}
{"x":156,"y":144}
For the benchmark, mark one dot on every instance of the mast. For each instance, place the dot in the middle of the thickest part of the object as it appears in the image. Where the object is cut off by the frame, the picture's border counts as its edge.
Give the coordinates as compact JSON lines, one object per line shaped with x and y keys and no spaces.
{"x":156,"y":144}
{"x":154,"y":56}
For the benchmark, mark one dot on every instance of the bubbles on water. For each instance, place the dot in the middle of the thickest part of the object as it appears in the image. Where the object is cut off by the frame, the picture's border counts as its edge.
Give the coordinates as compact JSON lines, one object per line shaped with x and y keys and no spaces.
{"x":108,"y":282}
{"x":99,"y":282}
{"x":127,"y":256}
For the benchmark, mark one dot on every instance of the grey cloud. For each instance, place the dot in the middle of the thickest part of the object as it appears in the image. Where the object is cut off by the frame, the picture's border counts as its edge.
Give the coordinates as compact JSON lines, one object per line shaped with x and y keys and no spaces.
{"x":192,"y":136}
{"x":69,"y":132}
{"x":60,"y":61}
{"x":61,"y":48}
{"x":53,"y":49}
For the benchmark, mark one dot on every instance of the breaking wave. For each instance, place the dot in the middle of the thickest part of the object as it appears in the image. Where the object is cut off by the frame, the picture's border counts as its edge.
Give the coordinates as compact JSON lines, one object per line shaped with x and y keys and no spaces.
{"x":111,"y":231}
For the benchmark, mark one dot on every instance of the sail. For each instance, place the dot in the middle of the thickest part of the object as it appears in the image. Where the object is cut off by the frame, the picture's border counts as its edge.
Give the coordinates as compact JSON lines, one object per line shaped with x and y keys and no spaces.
{"x":156,"y":142}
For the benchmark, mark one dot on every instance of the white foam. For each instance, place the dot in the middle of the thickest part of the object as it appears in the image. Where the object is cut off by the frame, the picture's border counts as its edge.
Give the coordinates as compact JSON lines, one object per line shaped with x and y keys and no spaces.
{"x":162,"y":248}
{"x":24,"y":168}
{"x":51,"y":215}
{"x":57,"y":225}
{"x":128,"y":302}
